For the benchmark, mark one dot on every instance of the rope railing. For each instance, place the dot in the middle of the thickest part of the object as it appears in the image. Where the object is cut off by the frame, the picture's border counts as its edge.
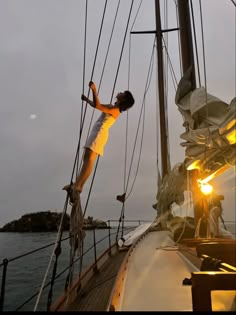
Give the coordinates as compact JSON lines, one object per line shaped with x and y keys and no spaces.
{"x":5,"y":263}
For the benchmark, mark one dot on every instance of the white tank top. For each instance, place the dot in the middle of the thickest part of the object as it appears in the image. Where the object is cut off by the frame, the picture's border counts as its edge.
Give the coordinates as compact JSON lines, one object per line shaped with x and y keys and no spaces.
{"x":105,"y":121}
{"x":99,"y":134}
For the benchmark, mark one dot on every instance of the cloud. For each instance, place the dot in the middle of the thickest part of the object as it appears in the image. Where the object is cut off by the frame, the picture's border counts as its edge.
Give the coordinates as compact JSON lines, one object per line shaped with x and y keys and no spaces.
{"x":41,"y":67}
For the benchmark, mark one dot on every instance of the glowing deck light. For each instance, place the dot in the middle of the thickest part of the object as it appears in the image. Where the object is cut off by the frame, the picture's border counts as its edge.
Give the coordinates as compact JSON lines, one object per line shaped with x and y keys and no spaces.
{"x":231,"y":136}
{"x":206,"y":189}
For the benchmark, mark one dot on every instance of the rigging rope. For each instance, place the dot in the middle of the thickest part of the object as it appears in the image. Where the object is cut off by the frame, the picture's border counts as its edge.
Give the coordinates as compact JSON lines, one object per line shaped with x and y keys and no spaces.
{"x":73,"y":251}
{"x":172,"y":72}
{"x":57,"y":245}
{"x":74,"y":233}
{"x":105,"y":61}
{"x":95,"y":58}
{"x":135,"y":142}
{"x":122,"y":49}
{"x":127,"y":113}
{"x":118,"y":68}
{"x":165,"y":40}
{"x":195,"y":42}
{"x":148,"y":81}
{"x":76,"y":222}
{"x":143,"y":103}
{"x":179,"y":46}
{"x":83,"y":215}
{"x":203,"y":47}
{"x":166,"y":81}
{"x":205,"y":78}
{"x":108,"y":49}
{"x":59,"y":235}
{"x":83,"y":84}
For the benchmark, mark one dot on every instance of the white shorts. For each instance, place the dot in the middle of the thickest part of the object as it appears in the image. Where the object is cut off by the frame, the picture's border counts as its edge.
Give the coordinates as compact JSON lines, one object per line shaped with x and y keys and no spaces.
{"x":97,"y":141}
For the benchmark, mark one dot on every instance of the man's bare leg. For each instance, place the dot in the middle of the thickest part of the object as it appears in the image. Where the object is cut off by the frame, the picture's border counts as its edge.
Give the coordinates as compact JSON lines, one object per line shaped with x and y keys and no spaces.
{"x":87,"y":167}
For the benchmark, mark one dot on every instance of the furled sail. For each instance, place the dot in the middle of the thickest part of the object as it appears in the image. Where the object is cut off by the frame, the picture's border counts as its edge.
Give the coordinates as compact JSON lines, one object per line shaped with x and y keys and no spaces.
{"x":210,"y":141}
{"x":210,"y":129}
{"x":171,"y":189}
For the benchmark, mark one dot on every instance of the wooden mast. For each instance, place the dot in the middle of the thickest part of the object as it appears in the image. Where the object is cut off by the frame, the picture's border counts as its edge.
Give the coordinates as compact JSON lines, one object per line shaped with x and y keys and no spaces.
{"x":188,"y":61}
{"x":163,"y":132}
{"x":186,"y":39}
{"x":163,"y":126}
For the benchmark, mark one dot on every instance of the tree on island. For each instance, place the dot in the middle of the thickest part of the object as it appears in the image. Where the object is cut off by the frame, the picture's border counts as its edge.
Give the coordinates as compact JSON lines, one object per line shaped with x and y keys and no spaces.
{"x":47,"y":221}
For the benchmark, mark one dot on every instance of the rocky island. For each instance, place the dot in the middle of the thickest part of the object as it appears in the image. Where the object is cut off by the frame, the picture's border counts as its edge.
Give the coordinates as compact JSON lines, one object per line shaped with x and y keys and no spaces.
{"x":47,"y":221}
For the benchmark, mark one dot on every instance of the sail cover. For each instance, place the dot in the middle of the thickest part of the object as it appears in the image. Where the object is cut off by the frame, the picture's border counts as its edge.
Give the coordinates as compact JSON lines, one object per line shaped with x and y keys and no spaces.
{"x":210,"y":128}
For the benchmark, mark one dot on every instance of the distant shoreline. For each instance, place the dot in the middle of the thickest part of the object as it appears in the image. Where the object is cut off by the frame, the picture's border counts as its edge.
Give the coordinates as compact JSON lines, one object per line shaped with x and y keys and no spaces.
{"x":47,"y":221}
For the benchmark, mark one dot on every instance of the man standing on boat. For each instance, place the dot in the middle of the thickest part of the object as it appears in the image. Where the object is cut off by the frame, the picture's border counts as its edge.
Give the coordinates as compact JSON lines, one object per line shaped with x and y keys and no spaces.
{"x":99,"y":135}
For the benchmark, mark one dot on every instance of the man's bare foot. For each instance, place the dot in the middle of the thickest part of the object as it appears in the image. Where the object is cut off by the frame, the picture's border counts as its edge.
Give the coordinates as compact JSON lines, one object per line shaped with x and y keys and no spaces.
{"x":71,"y":189}
{"x":77,"y":189}
{"x":67,"y":187}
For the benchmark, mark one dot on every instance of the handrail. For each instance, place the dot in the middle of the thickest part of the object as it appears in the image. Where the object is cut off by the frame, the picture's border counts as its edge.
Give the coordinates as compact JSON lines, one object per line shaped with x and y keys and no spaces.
{"x":31,"y":252}
{"x":6,"y":261}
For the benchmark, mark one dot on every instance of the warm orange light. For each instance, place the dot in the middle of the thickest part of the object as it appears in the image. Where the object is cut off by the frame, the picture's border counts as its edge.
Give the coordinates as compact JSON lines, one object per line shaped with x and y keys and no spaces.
{"x":194,"y":165}
{"x":206,"y":189}
{"x":229,"y":131}
{"x":231,"y":136}
{"x":215,"y":174}
{"x":211,"y":273}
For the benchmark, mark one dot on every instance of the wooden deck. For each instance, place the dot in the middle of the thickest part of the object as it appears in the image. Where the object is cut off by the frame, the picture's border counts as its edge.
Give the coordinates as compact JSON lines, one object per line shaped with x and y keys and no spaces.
{"x":95,"y":295}
{"x":154,"y":276}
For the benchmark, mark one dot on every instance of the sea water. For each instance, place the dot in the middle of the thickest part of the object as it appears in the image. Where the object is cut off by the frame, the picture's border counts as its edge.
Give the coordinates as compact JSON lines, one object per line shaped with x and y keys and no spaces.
{"x":25,"y":275}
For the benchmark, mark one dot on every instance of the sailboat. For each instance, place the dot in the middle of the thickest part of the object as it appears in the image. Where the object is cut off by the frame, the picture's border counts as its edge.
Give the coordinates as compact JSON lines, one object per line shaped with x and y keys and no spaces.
{"x":173,"y":263}
{"x":177,"y":263}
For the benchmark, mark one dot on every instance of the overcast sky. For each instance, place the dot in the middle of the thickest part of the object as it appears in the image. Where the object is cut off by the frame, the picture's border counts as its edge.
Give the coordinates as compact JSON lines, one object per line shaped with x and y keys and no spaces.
{"x":41,"y":81}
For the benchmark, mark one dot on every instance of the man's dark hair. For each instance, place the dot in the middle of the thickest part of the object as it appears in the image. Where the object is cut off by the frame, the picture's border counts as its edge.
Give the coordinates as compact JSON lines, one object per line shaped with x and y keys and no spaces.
{"x":128,"y":102}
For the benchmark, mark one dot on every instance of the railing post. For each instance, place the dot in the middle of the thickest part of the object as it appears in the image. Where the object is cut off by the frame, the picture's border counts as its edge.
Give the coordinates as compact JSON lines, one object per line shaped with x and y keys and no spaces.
{"x":109,"y":236}
{"x":122,"y":231}
{"x":4,"y":274}
{"x":118,"y":229}
{"x":95,"y":269}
